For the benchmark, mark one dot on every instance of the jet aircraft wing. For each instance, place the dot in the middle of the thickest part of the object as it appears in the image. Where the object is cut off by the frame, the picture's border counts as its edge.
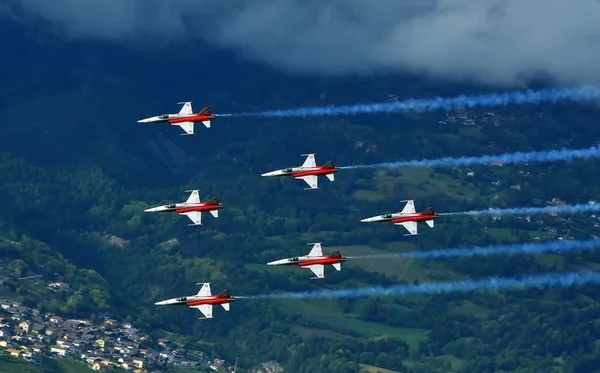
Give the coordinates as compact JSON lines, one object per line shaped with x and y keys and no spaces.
{"x":409,"y":208}
{"x":311,"y":180}
{"x":316,"y":250}
{"x":194,"y":196}
{"x":206,"y":309}
{"x":411,"y":227}
{"x":188,"y":127}
{"x":317,"y":269}
{"x":204,"y":290}
{"x":310,"y":161}
{"x":195,"y":217}
{"x":186,"y":108}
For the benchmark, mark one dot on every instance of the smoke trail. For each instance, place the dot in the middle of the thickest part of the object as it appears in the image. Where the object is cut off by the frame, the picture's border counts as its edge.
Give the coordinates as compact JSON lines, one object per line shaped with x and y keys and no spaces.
{"x":421,"y":105}
{"x":499,"y":283}
{"x":569,"y":209}
{"x":519,"y":157}
{"x":553,"y":246}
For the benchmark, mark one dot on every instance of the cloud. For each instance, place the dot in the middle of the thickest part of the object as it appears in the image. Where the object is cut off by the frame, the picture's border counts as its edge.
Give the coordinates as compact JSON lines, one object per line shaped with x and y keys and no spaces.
{"x":491,"y":41}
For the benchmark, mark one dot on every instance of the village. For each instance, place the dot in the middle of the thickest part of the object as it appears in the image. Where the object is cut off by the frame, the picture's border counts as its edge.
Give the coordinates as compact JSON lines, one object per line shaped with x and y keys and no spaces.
{"x":28,"y":334}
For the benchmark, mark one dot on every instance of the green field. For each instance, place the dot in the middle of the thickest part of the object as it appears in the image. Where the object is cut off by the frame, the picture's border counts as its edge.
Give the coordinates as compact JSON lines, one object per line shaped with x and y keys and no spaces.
{"x":405,"y":269}
{"x":329,"y":313}
{"x":9,"y":364}
{"x":413,"y":183}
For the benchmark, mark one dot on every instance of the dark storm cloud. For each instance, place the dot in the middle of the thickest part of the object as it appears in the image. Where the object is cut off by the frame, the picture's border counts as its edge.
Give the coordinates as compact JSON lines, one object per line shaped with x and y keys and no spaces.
{"x":493,"y":41}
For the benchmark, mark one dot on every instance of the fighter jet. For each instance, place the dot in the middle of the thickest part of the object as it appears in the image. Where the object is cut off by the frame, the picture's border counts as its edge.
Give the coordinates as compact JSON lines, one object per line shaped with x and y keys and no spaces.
{"x":315,"y":261}
{"x":203,"y":301}
{"x":192,"y":208}
{"x":184,"y":119}
{"x":308,"y":172}
{"x":408,"y":218}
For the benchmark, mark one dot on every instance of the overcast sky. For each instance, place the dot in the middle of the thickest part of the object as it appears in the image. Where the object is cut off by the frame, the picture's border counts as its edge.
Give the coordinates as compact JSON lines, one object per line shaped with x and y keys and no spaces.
{"x":491,"y":41}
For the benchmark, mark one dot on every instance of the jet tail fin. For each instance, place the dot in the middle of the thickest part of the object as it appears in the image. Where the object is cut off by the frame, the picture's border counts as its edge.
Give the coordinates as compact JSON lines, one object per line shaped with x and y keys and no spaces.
{"x":335,"y":254}
{"x":328,"y":164}
{"x":212,"y":201}
{"x":428,"y":211}
{"x":205,"y":110}
{"x":224,"y":294}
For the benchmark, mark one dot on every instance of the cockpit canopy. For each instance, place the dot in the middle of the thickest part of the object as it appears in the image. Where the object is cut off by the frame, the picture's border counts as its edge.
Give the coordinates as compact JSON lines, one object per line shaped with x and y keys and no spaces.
{"x":171,"y":206}
{"x":387,"y":216}
{"x":181,"y":299}
{"x":164,"y":116}
{"x":294,"y":259}
{"x":287,"y":170}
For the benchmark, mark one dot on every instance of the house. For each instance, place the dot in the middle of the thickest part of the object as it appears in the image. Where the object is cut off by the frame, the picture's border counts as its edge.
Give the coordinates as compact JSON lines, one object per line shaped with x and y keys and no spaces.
{"x":61,"y":351}
{"x":38,"y":328}
{"x":38,"y":348}
{"x":100,"y":342}
{"x":24,"y":326}
{"x":164,"y":342}
{"x":138,"y":362}
{"x":17,"y":338}
{"x":13,"y":352}
{"x":3,"y":343}
{"x":56,"y":319}
{"x":49,"y":330}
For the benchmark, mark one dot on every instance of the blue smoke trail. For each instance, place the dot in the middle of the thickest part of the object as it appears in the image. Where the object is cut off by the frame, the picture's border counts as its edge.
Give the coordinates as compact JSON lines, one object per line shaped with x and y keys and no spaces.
{"x":421,"y":105}
{"x":499,"y":283}
{"x":537,"y":248}
{"x":519,"y":157}
{"x":569,"y":209}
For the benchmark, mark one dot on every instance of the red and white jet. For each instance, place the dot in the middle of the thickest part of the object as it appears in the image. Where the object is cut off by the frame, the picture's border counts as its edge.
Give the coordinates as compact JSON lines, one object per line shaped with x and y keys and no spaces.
{"x":308,"y":172}
{"x":408,"y":218}
{"x":192,"y":208}
{"x":184,"y":119}
{"x":315,"y":261}
{"x":203,"y":301}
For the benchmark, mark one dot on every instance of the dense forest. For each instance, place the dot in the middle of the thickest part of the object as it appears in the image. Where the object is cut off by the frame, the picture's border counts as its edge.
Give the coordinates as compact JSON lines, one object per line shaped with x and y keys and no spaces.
{"x":77,"y":172}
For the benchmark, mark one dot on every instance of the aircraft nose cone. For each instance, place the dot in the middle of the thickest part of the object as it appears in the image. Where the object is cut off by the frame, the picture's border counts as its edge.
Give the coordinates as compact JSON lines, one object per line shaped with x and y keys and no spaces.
{"x":266,"y":174}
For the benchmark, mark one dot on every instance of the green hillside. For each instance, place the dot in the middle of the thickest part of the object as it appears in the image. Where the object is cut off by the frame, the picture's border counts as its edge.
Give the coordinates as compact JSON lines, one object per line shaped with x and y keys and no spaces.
{"x":74,"y":183}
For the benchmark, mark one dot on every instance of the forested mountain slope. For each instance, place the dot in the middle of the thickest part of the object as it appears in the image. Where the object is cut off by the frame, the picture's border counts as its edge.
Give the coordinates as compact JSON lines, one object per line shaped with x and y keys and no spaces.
{"x":77,"y":172}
